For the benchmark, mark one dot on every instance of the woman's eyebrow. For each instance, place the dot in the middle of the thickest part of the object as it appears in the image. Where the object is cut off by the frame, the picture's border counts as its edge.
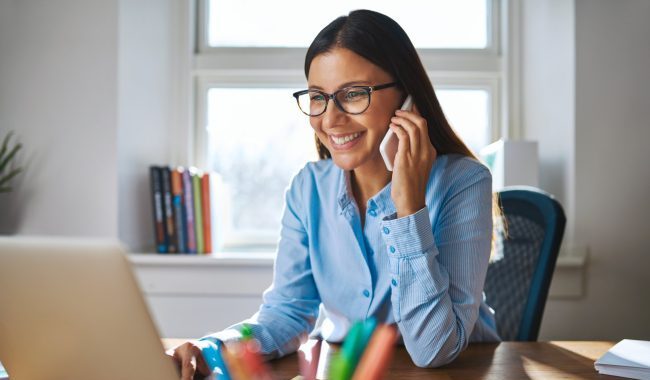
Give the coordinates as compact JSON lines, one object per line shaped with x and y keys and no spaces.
{"x":346,"y":84}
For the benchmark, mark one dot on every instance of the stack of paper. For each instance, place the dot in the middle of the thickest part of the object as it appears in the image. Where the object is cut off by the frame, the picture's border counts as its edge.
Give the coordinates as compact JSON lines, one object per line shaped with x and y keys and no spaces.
{"x":629,"y":358}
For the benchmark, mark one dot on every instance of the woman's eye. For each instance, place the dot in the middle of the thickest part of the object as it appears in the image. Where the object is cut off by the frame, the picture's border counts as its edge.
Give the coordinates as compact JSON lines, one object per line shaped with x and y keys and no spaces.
{"x":317,"y":98}
{"x":352,"y":95}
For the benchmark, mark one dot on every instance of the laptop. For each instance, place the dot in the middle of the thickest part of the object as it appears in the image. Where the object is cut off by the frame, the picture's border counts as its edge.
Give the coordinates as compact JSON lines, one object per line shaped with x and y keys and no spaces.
{"x":71,"y":309}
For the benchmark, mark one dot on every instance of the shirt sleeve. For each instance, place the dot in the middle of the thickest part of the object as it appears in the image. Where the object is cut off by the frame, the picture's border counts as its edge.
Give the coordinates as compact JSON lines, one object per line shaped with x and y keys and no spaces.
{"x":290,"y":305}
{"x":438,"y":273}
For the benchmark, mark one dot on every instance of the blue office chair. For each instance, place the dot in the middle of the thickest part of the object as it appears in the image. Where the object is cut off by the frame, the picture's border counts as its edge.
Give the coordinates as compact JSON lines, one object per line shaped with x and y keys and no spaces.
{"x":526,"y":249}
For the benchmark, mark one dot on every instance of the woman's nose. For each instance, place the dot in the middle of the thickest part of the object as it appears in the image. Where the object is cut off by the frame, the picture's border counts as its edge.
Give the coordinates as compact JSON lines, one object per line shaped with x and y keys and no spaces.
{"x":332,"y":115}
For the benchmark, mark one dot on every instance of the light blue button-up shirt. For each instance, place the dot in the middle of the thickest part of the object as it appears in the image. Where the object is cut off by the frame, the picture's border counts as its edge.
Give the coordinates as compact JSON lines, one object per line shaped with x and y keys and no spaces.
{"x":424,"y":271}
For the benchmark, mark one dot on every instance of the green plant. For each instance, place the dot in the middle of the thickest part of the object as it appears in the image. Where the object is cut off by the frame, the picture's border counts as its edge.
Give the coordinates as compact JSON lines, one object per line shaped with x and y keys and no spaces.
{"x":6,"y":156}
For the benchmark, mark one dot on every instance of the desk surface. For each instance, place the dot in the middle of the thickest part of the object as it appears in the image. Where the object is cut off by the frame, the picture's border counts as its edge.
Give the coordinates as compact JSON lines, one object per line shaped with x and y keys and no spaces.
{"x":506,"y":360}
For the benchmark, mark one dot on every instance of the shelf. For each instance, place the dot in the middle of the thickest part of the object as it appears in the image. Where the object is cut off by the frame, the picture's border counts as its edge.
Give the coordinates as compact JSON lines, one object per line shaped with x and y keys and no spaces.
{"x":266,"y":258}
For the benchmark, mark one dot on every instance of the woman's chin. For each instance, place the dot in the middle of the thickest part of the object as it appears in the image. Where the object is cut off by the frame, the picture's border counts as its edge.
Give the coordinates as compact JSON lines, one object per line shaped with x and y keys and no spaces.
{"x":345,"y":163}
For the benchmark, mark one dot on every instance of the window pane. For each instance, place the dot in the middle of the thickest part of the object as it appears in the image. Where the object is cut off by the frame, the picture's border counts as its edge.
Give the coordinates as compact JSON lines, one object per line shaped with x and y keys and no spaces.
{"x":468,"y":112}
{"x":258,"y":140}
{"x":429,"y":24}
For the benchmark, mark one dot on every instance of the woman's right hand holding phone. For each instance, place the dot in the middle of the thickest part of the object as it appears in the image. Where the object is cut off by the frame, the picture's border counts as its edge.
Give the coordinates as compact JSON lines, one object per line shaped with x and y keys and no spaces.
{"x":413,"y":162}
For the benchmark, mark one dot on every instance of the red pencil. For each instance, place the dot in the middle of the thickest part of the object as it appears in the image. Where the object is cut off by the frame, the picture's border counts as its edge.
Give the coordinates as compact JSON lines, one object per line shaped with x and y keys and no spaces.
{"x":378,"y":354}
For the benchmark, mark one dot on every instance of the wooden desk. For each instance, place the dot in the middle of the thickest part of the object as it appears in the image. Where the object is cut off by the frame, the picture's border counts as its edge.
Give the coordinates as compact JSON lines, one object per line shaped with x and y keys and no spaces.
{"x":502,"y":361}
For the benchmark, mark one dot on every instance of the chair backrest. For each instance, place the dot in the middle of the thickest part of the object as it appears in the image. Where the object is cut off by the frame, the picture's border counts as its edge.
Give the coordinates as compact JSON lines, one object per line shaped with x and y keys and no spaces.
{"x":520,"y":274}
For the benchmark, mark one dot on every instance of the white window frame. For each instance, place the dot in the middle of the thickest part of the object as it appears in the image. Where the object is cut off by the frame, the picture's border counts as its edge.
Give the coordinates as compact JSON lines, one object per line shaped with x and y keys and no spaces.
{"x":493,"y":69}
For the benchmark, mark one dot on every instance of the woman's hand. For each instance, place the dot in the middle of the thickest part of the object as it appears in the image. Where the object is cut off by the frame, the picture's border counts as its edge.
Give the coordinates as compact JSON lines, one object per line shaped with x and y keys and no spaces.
{"x":189,"y":360}
{"x":413,"y":161}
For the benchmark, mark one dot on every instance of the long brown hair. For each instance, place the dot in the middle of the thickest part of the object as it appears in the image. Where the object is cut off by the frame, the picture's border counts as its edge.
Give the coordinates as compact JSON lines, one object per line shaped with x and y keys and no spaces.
{"x":382,"y":41}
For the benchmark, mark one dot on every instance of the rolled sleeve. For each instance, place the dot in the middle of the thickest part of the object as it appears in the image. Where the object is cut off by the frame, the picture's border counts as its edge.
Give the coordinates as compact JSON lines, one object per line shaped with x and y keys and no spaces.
{"x":408,"y":235}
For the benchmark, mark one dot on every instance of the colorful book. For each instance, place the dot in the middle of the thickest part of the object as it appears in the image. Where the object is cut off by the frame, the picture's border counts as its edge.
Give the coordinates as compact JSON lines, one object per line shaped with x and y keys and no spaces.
{"x":198,"y":214}
{"x":207,"y":215}
{"x":179,"y":215}
{"x":168,"y":210}
{"x":157,"y":207}
{"x":189,"y":211}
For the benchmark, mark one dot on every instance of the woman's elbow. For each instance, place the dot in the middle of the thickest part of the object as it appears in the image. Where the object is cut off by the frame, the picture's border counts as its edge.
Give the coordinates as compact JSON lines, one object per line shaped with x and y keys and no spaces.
{"x":433,"y":362}
{"x":444,"y":354}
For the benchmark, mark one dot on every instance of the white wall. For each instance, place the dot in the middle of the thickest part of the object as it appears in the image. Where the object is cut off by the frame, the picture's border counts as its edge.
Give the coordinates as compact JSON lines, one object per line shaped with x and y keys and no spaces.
{"x":612,"y":174}
{"x":58,"y":87}
{"x":586,"y":98}
{"x":548,"y":95}
{"x":146,"y":134}
{"x":81,"y":81}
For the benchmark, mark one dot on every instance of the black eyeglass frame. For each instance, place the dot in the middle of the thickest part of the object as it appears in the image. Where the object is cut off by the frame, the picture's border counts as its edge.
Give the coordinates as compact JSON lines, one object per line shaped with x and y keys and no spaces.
{"x":333,"y":95}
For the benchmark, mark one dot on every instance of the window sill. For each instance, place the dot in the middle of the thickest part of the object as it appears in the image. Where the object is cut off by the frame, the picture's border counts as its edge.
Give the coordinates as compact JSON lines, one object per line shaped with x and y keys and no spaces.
{"x":193,"y":260}
{"x":570,"y":273}
{"x":568,"y":278}
{"x":573,"y":261}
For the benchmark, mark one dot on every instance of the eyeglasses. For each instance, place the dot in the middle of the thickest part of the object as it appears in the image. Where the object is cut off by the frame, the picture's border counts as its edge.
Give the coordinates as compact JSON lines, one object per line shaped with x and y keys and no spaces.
{"x":353,"y":100}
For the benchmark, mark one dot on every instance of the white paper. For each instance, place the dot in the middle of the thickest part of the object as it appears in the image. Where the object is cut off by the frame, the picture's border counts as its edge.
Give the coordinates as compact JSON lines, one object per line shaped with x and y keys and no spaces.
{"x":628,"y":358}
{"x":628,"y":353}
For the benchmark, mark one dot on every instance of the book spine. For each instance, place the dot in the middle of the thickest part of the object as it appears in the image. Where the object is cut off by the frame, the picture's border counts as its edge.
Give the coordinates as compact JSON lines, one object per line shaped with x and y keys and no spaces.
{"x":179,"y":214}
{"x":157,"y":206}
{"x":207,"y":215}
{"x":198,"y":217}
{"x":168,"y":210}
{"x":189,"y":211}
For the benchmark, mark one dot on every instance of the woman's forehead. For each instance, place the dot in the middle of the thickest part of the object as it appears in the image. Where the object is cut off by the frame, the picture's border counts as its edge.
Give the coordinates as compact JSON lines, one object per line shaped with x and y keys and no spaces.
{"x":340,"y":67}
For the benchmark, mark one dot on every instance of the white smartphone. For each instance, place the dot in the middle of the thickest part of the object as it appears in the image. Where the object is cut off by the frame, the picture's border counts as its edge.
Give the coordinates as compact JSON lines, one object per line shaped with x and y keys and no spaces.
{"x":388,"y":146}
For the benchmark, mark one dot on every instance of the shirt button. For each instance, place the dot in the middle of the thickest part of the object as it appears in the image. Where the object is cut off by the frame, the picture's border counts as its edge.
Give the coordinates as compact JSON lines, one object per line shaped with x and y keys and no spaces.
{"x":372,"y":213}
{"x":392,"y":249}
{"x":366,"y":293}
{"x":394,"y":282}
{"x":386,"y":230}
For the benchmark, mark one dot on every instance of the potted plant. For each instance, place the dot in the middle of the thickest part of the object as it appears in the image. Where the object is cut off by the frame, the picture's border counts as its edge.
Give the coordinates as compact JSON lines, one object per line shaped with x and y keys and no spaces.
{"x":8,"y":171}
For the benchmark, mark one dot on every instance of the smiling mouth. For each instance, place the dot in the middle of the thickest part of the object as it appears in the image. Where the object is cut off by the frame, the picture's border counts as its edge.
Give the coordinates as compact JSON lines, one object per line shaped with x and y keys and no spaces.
{"x":342,"y":140}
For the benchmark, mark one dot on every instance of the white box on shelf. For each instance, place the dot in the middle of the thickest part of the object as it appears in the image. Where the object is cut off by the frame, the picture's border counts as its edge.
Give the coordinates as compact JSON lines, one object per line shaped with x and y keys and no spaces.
{"x":512,"y":163}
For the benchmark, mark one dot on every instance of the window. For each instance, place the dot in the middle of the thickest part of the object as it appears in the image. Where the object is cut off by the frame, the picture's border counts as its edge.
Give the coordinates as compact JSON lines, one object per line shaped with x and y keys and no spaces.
{"x":450,"y":24}
{"x":243,"y":58}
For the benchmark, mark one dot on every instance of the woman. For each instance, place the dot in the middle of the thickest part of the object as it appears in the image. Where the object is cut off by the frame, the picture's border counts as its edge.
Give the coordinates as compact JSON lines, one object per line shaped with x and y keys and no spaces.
{"x":410,"y":246}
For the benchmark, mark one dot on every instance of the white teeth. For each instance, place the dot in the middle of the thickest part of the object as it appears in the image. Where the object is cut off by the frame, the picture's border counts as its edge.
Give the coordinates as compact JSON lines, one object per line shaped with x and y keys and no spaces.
{"x":345,"y":139}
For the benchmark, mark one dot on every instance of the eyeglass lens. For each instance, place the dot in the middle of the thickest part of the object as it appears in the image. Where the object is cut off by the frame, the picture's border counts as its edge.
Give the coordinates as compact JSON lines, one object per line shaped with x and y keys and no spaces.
{"x":352,"y":100}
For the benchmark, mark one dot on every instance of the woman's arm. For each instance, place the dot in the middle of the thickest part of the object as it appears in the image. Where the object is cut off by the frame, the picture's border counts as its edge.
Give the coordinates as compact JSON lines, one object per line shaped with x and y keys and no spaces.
{"x":439,"y":274}
{"x":290,"y":304}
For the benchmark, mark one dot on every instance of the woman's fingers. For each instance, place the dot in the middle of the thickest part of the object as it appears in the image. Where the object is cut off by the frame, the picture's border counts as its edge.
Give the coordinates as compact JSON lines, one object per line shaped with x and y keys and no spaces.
{"x":412,"y":131}
{"x":188,"y":368}
{"x":421,"y":130}
{"x":403,"y":145}
{"x":189,"y":358}
{"x":201,"y":366}
{"x":424,"y":128}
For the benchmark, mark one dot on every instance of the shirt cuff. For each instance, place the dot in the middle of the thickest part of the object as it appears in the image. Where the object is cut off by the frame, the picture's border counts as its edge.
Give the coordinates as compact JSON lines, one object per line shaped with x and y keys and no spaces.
{"x":408,"y":235}
{"x":225,"y":336}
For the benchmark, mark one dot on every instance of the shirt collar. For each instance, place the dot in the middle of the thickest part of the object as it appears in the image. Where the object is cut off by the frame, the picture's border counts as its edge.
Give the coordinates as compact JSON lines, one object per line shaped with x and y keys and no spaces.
{"x":345,"y":190}
{"x":382,"y":202}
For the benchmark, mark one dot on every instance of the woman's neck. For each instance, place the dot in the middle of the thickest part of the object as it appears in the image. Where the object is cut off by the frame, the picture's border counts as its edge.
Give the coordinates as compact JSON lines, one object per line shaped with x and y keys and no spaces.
{"x":368,"y":180}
